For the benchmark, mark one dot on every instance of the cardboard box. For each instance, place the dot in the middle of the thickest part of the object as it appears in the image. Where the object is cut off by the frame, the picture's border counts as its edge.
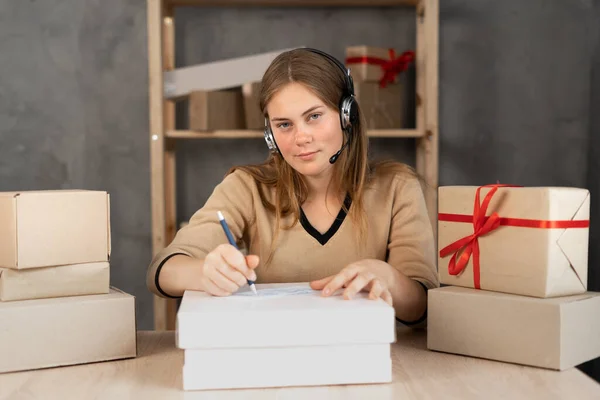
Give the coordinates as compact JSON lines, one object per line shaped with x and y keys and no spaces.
{"x":524,"y":254}
{"x":287,"y":366}
{"x":219,"y":109}
{"x":300,"y":337}
{"x":382,"y":108}
{"x":63,"y":331}
{"x":54,"y":227}
{"x":217,"y":75}
{"x":555,"y":333}
{"x":254,"y":117}
{"x":59,"y":281}
{"x":367,"y":63}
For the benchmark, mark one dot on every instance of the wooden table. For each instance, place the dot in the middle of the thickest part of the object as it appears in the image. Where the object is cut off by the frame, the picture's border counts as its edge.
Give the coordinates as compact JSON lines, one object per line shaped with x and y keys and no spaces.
{"x":418,"y":373}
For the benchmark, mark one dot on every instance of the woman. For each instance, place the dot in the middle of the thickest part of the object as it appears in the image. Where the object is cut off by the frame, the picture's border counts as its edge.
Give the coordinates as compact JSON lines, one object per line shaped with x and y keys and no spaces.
{"x":315,"y":211}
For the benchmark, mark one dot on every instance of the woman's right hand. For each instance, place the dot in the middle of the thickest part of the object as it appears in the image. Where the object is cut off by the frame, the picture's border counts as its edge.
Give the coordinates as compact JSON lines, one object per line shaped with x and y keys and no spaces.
{"x":226,"y":269}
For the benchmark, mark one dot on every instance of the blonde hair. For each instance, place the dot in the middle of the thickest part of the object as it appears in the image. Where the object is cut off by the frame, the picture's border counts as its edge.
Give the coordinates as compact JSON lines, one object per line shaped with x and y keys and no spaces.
{"x":352,"y":171}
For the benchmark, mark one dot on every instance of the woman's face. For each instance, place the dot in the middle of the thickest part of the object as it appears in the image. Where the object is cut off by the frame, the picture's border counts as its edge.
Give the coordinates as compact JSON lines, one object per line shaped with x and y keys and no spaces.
{"x":307,"y":131}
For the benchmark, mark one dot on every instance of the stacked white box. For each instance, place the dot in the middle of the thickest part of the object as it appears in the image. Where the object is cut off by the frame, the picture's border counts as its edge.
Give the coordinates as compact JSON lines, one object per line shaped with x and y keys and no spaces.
{"x":292,"y":338}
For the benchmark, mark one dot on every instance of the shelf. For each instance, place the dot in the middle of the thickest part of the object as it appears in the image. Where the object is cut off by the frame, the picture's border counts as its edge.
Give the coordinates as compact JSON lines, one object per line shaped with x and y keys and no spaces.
{"x":246,"y":133}
{"x":293,"y":3}
{"x":163,"y":134}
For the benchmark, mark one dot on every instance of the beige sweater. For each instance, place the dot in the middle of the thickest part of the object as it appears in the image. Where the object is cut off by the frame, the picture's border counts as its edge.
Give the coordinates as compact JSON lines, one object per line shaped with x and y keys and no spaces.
{"x":399,"y":233}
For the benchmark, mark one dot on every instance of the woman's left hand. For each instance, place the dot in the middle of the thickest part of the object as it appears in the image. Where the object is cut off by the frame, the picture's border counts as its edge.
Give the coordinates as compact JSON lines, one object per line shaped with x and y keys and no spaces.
{"x":365,"y":275}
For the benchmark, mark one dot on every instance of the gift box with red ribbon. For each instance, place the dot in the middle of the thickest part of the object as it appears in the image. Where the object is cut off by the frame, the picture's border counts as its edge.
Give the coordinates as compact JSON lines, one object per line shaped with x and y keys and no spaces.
{"x":375,"y":72}
{"x":530,"y":241}
{"x":376,"y":64}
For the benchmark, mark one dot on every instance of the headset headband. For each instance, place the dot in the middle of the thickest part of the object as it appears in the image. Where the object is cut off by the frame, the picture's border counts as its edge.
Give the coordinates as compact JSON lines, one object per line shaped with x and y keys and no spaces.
{"x":347,"y":79}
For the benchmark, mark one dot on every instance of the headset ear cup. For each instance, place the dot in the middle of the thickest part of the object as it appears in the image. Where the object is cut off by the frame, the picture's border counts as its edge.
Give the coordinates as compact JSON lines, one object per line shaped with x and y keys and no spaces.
{"x":353,"y":111}
{"x":348,"y":112}
{"x":270,"y":139}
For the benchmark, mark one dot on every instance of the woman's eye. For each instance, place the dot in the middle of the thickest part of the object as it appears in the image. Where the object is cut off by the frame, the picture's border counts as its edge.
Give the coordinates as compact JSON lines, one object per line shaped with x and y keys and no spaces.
{"x":315,"y":116}
{"x":283,"y":125}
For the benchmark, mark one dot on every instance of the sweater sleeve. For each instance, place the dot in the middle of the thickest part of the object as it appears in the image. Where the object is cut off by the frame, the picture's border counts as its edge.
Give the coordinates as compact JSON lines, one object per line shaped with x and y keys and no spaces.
{"x":411,"y":247}
{"x":234,"y":198}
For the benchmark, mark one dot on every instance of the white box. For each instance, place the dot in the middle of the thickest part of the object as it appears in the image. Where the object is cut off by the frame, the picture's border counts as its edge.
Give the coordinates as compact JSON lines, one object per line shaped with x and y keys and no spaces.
{"x":290,"y":335}
{"x":217,"y":75}
{"x":287,"y":366}
{"x":305,"y":319}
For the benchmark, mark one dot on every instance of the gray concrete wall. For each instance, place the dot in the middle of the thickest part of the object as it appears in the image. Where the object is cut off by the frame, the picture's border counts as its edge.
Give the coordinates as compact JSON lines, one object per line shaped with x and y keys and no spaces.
{"x":519,"y":86}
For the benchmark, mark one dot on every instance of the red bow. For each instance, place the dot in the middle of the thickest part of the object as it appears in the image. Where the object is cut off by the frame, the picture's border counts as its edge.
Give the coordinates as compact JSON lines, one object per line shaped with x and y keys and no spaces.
{"x":481,"y":226}
{"x":390,"y":68}
{"x":395,"y":65}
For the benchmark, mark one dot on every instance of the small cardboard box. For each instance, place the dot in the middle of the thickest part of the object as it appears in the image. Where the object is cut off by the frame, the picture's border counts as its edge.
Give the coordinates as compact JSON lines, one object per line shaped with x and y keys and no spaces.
{"x":254,"y":117}
{"x":365,"y":63}
{"x":54,"y":227}
{"x":381,"y":107}
{"x":539,"y":248}
{"x":555,"y":333}
{"x":63,"y":331}
{"x":59,"y":281}
{"x":219,"y":109}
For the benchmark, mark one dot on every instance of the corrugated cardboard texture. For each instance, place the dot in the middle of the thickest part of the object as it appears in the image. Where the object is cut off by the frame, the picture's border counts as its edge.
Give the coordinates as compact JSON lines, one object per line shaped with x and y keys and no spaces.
{"x":56,"y":227}
{"x":552,"y":333}
{"x":528,"y":261}
{"x":59,"y":281}
{"x":221,"y":109}
{"x":367,"y":72}
{"x":381,"y":107}
{"x":65,"y":331}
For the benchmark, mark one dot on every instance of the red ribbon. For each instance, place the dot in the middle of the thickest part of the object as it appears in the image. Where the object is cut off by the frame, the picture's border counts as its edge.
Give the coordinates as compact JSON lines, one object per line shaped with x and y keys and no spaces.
{"x":390,"y":68}
{"x":483,"y":225}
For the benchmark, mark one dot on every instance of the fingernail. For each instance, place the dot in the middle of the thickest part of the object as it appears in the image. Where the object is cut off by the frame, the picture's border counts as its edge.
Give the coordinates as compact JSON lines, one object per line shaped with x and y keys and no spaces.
{"x":326,"y":291}
{"x":253,"y":276}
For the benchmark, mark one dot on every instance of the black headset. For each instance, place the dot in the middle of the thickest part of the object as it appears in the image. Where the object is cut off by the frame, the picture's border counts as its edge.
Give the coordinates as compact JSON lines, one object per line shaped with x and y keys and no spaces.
{"x":348,"y":107}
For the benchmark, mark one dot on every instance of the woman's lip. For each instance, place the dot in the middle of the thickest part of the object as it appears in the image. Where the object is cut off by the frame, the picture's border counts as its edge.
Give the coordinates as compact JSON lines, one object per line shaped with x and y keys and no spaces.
{"x":306,"y":154}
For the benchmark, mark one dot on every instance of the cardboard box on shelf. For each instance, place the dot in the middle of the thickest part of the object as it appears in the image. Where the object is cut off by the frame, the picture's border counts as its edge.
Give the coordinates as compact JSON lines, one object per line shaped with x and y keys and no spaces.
{"x":291,"y":323}
{"x":62,"y":331}
{"x":219,"y":109}
{"x":254,"y":117}
{"x":58,"y":281}
{"x":54,"y":227}
{"x":382,"y":108}
{"x":530,"y":241}
{"x":555,"y":333}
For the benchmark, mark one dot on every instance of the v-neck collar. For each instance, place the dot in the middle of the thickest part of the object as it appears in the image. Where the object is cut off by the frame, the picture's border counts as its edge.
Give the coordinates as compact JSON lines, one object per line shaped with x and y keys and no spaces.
{"x":324,"y":238}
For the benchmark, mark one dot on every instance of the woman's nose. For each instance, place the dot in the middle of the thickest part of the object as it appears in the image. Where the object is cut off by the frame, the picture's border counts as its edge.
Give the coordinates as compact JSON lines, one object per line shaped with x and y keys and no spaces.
{"x":303,"y":137}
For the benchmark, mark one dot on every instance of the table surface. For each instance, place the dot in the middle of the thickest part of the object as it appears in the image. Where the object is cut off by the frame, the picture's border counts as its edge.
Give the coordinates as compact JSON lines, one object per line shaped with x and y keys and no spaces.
{"x":417,"y":373}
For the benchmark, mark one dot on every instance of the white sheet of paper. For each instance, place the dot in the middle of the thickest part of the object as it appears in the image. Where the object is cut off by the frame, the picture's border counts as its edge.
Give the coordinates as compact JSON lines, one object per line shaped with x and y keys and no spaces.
{"x":275,"y":292}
